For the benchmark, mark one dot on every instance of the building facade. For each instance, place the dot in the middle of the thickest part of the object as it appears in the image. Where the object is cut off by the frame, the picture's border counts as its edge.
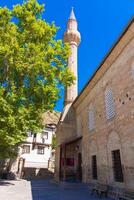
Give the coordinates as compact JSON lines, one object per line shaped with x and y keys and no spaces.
{"x":96,"y":133}
{"x":36,"y":155}
{"x":35,"y":152}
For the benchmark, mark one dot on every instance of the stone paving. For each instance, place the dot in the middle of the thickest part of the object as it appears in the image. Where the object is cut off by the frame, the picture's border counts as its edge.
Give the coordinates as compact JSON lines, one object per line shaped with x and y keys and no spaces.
{"x":44,"y":190}
{"x":15,"y":190}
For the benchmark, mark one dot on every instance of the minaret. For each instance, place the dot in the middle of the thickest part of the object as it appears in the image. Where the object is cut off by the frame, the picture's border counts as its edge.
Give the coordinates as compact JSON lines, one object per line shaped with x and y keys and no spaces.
{"x":72,"y":36}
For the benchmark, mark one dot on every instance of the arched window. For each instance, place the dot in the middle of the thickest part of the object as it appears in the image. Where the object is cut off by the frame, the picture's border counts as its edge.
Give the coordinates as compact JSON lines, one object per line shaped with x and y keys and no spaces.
{"x":109,"y":104}
{"x":79,"y":131}
{"x":133,"y":71}
{"x":91,"y":120}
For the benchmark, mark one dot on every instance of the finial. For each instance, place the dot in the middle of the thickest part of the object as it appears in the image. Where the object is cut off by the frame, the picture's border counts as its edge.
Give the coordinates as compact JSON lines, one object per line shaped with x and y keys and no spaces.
{"x":72,"y":15}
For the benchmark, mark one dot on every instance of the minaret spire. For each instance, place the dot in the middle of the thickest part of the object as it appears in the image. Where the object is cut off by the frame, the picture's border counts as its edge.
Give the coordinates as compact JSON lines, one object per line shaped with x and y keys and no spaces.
{"x":72,"y":36}
{"x":72,"y":15}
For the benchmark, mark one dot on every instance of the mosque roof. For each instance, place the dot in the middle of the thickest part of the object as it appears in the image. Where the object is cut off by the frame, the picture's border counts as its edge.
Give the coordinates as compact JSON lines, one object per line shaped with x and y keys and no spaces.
{"x":50,"y":118}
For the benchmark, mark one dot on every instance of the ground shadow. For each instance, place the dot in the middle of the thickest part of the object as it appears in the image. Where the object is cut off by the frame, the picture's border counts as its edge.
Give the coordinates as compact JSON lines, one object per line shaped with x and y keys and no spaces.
{"x":5,"y":183}
{"x":51,"y":190}
{"x":37,"y":173}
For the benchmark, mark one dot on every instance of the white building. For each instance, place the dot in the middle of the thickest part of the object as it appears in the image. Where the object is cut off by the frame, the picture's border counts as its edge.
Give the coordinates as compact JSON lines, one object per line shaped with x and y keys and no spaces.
{"x":36,"y":151}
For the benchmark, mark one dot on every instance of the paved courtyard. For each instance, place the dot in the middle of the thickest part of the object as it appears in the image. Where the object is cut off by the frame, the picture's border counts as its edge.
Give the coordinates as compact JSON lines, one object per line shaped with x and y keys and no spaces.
{"x":44,"y":190}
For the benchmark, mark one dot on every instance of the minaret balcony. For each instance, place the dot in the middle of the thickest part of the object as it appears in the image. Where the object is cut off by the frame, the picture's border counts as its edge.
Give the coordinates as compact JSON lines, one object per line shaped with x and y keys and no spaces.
{"x":72,"y":36}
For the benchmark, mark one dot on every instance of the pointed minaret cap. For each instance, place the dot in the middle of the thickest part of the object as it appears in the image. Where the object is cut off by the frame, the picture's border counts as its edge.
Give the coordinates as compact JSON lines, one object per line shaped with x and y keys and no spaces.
{"x":72,"y":15}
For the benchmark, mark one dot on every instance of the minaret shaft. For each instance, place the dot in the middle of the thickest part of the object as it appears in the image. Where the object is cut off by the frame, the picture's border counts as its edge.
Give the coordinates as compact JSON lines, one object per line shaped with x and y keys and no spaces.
{"x":72,"y":36}
{"x":72,"y":91}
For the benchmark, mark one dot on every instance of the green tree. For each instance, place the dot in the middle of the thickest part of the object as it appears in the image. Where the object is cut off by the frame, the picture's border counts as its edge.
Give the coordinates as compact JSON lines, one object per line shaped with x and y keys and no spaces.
{"x":33,"y":68}
{"x":54,"y":142}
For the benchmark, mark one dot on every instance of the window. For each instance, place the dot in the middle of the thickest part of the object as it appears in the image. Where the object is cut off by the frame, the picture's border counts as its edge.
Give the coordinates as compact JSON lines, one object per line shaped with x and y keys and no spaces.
{"x":45,"y":135}
{"x":79,"y":126}
{"x":43,"y":140}
{"x":40,"y":150}
{"x":109,"y":103}
{"x":29,"y":134}
{"x":94,"y":167}
{"x":26,"y":149}
{"x":117,"y":167}
{"x":34,"y":135}
{"x":91,"y":120}
{"x":133,"y":72}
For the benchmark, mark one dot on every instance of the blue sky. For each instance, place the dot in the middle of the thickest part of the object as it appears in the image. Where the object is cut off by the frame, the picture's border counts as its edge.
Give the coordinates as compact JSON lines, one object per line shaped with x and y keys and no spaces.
{"x":100,"y":23}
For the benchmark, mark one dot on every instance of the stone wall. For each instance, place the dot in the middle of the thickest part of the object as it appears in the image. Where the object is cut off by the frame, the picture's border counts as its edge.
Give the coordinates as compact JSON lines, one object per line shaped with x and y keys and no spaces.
{"x":117,"y":133}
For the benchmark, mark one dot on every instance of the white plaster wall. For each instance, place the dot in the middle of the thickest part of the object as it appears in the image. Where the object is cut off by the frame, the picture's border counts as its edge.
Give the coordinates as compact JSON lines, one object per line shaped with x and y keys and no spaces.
{"x":33,"y":159}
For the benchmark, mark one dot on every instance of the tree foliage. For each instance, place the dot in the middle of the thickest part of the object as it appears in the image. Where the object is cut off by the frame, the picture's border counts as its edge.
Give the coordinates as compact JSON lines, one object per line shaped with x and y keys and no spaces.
{"x":33,"y":67}
{"x":54,"y":142}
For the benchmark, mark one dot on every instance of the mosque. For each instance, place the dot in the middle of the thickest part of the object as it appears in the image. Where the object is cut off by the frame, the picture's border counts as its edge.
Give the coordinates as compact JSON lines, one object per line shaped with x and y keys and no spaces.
{"x":95,"y":133}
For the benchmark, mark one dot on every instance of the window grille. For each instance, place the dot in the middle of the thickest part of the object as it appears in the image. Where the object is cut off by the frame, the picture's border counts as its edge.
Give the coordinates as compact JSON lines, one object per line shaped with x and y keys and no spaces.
{"x":94,"y":167}
{"x":109,"y":103}
{"x":45,"y":135}
{"x":117,"y":167}
{"x":40,"y":150}
{"x":91,"y":120}
{"x":26,"y":149}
